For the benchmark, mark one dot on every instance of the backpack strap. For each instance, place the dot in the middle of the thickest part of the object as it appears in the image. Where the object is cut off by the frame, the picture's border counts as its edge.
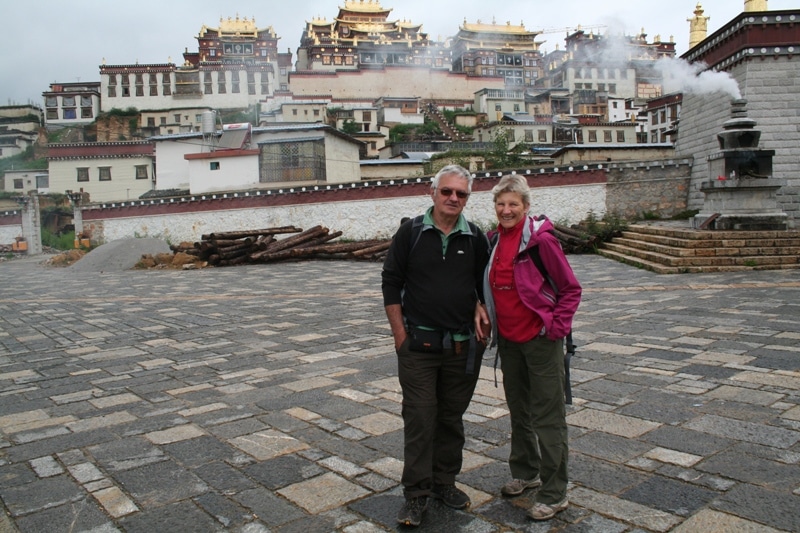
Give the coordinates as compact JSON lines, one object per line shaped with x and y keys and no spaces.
{"x":533,"y":253}
{"x":416,"y":231}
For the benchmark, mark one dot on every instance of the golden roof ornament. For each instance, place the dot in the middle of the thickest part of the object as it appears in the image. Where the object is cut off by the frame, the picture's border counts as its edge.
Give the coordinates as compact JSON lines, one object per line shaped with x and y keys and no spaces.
{"x":371,"y":6}
{"x":755,"y":5}
{"x":698,"y":26}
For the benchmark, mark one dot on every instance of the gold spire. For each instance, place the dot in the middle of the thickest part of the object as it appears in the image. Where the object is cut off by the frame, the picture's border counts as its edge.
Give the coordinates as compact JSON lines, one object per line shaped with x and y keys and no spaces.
{"x":698,"y":26}
{"x":364,"y":7}
{"x":481,"y":27}
{"x":755,"y":5}
{"x":238,"y":26}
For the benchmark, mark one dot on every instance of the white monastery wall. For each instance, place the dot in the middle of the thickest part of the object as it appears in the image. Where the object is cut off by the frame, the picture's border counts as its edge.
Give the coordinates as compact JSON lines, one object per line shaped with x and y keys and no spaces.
{"x":357,"y":220}
{"x":9,"y":233}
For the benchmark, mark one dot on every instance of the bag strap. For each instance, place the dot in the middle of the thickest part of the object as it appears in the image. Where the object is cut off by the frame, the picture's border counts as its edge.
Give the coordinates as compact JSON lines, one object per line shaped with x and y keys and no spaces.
{"x":416,"y":231}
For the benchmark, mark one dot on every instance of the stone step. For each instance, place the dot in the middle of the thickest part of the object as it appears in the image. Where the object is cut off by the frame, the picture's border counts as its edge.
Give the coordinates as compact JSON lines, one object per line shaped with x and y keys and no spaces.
{"x":714,"y":248}
{"x":694,"y":234}
{"x":660,"y":268}
{"x":726,"y":260}
{"x":668,"y":249}
{"x":737,"y":242}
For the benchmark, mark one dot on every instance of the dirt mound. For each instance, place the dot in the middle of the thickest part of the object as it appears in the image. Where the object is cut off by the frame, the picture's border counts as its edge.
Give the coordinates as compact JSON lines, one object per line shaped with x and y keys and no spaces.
{"x":65,"y":259}
{"x":180,"y":261}
{"x":122,"y":254}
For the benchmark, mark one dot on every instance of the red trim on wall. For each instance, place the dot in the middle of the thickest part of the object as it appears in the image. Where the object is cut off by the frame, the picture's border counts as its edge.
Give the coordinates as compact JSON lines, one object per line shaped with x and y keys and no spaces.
{"x":119,"y":149}
{"x":218,"y":154}
{"x":362,"y":191}
{"x":759,"y":34}
{"x":12,"y":219}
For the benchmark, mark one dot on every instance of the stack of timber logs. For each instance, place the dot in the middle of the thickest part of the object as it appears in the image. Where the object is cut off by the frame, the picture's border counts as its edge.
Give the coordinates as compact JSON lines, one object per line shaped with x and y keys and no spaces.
{"x":574,"y":241}
{"x":262,"y":246}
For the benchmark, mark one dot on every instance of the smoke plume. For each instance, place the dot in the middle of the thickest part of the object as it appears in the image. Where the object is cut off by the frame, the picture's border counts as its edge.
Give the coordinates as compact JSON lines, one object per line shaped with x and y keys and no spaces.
{"x":677,"y":75}
{"x":692,"y":78}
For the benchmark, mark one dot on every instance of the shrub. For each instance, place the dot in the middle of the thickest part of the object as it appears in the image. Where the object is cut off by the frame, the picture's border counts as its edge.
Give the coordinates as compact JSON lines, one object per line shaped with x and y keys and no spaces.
{"x":65,"y":241}
{"x":610,"y":226}
{"x":685,"y":215}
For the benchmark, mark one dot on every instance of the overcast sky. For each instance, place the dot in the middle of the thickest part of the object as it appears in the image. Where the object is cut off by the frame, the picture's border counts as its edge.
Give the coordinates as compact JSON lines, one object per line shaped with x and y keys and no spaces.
{"x":54,"y":41}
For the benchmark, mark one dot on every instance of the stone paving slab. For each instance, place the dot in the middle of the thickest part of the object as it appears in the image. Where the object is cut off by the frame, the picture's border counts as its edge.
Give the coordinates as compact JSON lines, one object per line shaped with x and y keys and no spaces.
{"x":264,"y":398}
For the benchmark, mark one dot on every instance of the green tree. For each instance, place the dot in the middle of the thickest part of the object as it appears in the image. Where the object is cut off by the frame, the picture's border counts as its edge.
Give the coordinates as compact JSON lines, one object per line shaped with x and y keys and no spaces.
{"x":350,"y":127}
{"x":498,"y":155}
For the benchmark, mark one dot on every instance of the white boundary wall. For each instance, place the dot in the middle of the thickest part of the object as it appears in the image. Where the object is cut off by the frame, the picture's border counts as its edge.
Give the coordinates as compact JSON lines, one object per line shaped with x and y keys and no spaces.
{"x":357,"y":220}
{"x":8,"y":234}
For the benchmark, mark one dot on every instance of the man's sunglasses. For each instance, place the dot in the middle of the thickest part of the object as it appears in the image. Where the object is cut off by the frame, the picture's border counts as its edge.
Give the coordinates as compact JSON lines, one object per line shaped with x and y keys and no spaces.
{"x":447,"y":193}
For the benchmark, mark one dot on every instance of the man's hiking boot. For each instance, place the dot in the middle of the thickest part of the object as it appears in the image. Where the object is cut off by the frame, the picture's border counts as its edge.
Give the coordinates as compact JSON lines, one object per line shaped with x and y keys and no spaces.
{"x":451,"y":496}
{"x":411,"y":512}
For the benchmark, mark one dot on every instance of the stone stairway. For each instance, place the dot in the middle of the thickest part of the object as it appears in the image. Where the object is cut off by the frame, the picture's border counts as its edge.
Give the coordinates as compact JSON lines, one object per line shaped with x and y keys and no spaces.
{"x":672,"y":250}
{"x":431,"y":110}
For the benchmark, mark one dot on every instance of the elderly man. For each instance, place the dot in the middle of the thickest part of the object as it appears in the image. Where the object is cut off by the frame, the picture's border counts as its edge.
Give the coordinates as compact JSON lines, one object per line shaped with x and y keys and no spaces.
{"x":432,"y":288}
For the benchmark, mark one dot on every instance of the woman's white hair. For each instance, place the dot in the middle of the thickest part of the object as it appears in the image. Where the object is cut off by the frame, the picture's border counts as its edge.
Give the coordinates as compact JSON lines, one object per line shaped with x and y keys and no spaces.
{"x":513,"y":183}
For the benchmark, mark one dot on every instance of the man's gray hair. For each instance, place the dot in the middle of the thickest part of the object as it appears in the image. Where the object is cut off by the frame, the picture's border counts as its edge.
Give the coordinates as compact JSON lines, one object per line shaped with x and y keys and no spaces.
{"x":458,"y":170}
{"x":513,"y":183}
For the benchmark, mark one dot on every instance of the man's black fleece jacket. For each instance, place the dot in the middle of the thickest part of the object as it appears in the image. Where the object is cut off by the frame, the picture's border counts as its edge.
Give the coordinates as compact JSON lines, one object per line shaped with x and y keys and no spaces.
{"x":436,"y":290}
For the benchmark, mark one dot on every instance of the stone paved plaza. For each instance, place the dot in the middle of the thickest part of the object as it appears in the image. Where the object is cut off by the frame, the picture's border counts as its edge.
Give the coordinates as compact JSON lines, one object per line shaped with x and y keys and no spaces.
{"x":264,"y":398}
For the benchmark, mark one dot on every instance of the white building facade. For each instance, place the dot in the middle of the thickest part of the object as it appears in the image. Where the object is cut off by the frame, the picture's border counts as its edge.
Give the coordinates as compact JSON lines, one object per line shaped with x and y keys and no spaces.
{"x":236,"y":65}
{"x":71,"y":104}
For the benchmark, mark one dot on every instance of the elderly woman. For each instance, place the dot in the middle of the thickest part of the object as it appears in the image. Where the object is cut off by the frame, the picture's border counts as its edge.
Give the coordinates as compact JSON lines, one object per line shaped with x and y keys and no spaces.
{"x":531,"y":296}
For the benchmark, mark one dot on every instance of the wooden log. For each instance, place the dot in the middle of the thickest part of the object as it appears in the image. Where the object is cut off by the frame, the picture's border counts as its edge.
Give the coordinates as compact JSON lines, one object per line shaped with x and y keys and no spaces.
{"x":182,"y":247}
{"x":570,"y":239}
{"x":573,"y":244}
{"x":321,"y":240}
{"x":568,"y":231}
{"x":263,"y":242}
{"x":206,"y":250}
{"x":235,"y":248}
{"x":290,"y":242}
{"x":250,"y":233}
{"x":224,"y":243}
{"x":235,"y":261}
{"x":343,"y":247}
{"x":235,"y":253}
{"x":371,"y":249}
{"x":270,"y":255}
